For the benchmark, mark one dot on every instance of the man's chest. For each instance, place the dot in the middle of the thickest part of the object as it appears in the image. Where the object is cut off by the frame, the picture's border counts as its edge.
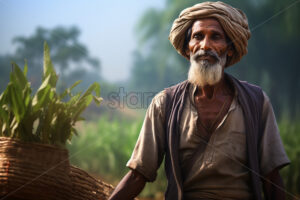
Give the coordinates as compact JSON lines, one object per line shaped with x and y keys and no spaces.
{"x":210,"y":113}
{"x":192,"y":134}
{"x":220,"y":158}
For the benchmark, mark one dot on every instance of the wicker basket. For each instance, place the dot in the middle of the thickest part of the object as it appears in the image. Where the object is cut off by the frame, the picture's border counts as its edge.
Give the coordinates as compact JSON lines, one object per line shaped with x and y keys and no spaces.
{"x":85,"y":187}
{"x":33,"y":171}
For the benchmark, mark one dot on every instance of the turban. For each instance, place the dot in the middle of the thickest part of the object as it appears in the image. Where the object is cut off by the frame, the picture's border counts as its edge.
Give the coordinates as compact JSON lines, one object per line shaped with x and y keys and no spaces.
{"x":233,"y":21}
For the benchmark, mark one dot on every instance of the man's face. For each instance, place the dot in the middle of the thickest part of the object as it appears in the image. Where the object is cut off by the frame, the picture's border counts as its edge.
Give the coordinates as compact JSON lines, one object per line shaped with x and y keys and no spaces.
{"x":208,"y":35}
{"x":208,"y":51}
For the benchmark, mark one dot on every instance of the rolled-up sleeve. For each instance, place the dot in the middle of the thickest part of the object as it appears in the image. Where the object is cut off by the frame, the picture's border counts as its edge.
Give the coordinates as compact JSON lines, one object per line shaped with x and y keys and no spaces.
{"x":272,"y":151}
{"x":149,"y":149}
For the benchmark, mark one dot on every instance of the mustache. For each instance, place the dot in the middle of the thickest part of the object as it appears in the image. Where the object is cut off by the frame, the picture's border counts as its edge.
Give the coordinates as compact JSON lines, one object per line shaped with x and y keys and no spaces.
{"x":202,"y":53}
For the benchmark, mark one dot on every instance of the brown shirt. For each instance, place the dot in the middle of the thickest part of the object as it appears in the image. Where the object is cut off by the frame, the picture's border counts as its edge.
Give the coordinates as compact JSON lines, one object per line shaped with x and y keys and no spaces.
{"x":220,"y":170}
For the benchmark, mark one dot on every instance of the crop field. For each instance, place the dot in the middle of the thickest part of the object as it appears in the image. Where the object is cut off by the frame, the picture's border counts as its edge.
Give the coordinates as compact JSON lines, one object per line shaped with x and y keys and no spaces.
{"x":104,"y":146}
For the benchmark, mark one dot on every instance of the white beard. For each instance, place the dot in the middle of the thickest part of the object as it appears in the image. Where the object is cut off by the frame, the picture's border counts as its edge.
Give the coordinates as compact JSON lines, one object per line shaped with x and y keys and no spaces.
{"x":203,"y":73}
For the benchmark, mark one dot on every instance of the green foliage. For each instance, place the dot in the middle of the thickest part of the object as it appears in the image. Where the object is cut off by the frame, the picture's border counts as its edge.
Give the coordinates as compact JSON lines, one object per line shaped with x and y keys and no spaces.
{"x":43,"y":117}
{"x":104,"y":147}
{"x":291,"y":140}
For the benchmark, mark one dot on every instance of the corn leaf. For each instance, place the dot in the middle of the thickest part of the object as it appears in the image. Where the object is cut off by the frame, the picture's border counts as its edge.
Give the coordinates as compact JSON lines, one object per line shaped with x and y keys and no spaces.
{"x":74,"y":99}
{"x":68,"y":90}
{"x":16,"y":101}
{"x":94,"y":87}
{"x":97,"y":100}
{"x":3,"y":108}
{"x":13,"y":126}
{"x":25,"y":68}
{"x":27,"y":95}
{"x":18,"y":76}
{"x":42,"y":96}
{"x":42,"y":117}
{"x":48,"y":67}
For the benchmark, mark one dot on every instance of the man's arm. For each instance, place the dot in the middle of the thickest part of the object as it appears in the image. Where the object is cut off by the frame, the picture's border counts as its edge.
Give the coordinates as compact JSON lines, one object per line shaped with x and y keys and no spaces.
{"x":129,"y":187}
{"x":147,"y":154}
{"x":273,"y":186}
{"x":272,"y":153}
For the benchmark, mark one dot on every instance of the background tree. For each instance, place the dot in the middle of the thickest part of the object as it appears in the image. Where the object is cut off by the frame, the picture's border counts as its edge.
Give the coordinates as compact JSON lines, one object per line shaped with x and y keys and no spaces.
{"x":5,"y":68}
{"x":69,"y":56}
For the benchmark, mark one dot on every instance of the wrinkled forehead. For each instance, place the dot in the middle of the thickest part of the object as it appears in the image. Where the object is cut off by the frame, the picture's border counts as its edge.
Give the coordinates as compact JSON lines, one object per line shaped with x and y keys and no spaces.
{"x":210,"y":24}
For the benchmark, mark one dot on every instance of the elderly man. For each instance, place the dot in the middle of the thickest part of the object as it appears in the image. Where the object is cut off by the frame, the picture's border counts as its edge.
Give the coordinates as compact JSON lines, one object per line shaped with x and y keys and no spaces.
{"x":219,"y":135}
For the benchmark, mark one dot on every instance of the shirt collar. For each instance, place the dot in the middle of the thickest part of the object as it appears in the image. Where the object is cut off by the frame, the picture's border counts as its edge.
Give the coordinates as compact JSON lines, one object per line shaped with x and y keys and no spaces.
{"x":192,"y":91}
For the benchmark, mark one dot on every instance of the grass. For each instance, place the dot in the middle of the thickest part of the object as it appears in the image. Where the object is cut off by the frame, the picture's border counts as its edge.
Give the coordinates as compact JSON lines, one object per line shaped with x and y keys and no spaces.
{"x":290,"y":134}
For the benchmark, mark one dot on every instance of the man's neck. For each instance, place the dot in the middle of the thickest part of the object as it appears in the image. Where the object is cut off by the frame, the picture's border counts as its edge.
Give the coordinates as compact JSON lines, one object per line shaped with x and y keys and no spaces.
{"x":210,"y":91}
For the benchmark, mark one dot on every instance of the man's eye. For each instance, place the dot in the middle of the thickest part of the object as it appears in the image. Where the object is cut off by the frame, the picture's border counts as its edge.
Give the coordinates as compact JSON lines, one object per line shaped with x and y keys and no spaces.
{"x":197,"y":36}
{"x":216,"y":36}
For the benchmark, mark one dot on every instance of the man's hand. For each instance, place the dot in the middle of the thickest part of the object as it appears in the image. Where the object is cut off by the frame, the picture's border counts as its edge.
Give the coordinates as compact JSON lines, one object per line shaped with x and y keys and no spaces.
{"x":273,"y":186}
{"x":129,"y":187}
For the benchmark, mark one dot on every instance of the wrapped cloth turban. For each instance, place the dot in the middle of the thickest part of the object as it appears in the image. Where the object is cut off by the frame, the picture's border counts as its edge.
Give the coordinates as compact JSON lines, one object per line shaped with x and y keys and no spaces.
{"x":233,"y":21}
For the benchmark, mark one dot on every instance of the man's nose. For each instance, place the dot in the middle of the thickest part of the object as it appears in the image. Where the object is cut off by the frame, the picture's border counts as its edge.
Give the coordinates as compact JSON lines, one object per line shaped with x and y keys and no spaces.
{"x":205,"y":44}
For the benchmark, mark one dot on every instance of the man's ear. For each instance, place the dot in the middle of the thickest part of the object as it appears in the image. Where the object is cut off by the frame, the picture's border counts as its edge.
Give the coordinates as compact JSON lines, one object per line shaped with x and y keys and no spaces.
{"x":187,"y":52}
{"x":230,"y":51}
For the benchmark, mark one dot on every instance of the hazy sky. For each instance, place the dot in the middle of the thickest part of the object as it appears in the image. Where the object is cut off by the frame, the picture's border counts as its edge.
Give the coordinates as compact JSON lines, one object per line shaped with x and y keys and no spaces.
{"x":107,"y":26}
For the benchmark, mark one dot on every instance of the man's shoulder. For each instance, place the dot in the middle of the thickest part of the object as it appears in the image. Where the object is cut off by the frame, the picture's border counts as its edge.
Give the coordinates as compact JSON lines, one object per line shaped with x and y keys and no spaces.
{"x":176,"y":86}
{"x":246,"y":87}
{"x":161,"y":97}
{"x":244,"y":83}
{"x":175,"y":89}
{"x":250,"y":85}
{"x":256,"y":87}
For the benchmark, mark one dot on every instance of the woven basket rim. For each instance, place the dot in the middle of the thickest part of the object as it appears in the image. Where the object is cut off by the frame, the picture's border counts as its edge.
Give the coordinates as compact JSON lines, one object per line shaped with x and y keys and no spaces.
{"x":9,"y":139}
{"x":92,"y":187}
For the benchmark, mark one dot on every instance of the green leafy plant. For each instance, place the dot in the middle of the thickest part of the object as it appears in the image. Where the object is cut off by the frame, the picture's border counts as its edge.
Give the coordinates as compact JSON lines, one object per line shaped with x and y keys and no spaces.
{"x":290,"y":130}
{"x":43,"y":117}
